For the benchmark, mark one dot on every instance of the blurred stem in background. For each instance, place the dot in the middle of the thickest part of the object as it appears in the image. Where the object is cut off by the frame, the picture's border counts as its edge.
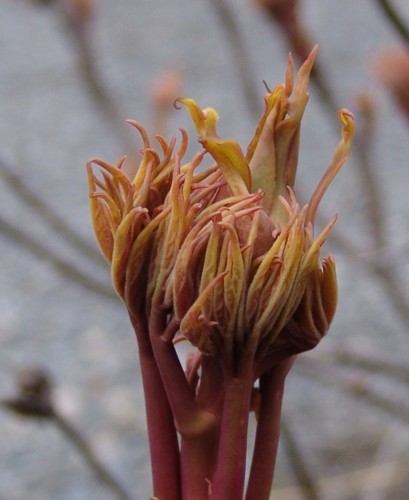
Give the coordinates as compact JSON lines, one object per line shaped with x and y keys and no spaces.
{"x":34,"y":399}
{"x":395,"y":18}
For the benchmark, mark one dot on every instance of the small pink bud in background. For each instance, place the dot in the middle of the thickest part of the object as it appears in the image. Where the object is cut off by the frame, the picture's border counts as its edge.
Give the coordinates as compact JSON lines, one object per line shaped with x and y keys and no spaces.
{"x":392,"y":69}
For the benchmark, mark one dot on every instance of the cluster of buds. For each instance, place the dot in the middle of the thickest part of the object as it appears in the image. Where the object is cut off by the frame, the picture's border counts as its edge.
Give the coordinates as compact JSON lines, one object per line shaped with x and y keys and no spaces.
{"x":224,"y":257}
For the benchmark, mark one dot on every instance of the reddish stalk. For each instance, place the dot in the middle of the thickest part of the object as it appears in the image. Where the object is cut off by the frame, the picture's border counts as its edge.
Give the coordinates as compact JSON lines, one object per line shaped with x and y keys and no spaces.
{"x":189,"y":418}
{"x":196,"y":426}
{"x":163,"y":442}
{"x":198,"y":455}
{"x":228,"y":482}
{"x":268,"y":431}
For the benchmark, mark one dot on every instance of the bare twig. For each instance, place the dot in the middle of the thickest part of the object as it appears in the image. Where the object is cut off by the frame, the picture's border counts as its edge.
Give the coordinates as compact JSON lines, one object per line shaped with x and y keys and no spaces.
{"x":308,"y":487}
{"x":79,"y":27}
{"x":380,"y":366}
{"x":285,"y":13}
{"x":34,"y":399}
{"x":363,"y":143}
{"x":395,"y":18}
{"x":46,"y":213}
{"x":390,"y":447}
{"x":381,"y":266}
{"x":239,"y":52}
{"x":72,"y":435}
{"x":66,"y":269}
{"x":351,"y":484}
{"x":320,"y":371}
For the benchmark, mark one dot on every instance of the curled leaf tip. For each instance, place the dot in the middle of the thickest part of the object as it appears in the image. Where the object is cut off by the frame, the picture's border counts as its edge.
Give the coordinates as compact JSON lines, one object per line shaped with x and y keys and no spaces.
{"x":341,"y":155}
{"x":346,"y":118}
{"x":204,"y":120}
{"x":176,"y":103}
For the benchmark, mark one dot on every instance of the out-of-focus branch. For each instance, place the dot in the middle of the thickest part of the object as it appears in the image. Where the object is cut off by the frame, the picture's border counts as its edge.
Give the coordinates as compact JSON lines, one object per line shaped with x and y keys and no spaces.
{"x":351,"y":484}
{"x":375,"y":211}
{"x":77,"y":17}
{"x":285,"y":13}
{"x":66,"y":269}
{"x":35,"y":400}
{"x":243,"y":63}
{"x":389,"y":447}
{"x":395,"y":18}
{"x":45,"y":212}
{"x":381,"y":267}
{"x":325,"y":373}
{"x":378,"y":366}
{"x":75,"y":438}
{"x":308,"y":487}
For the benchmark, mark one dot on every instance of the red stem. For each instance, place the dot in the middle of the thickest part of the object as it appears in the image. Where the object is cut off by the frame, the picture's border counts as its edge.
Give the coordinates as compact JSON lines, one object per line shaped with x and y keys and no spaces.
{"x":190,"y":419}
{"x":228,"y":483}
{"x":162,"y":435}
{"x":197,"y":426}
{"x":268,"y":431}
{"x":198,"y":455}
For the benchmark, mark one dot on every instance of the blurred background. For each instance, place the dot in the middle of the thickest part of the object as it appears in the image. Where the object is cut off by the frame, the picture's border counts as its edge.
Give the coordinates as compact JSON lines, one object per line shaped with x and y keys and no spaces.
{"x":71,"y":73}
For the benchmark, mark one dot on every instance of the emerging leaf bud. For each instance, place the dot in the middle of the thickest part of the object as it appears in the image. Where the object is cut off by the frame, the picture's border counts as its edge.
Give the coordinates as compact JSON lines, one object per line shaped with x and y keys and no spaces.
{"x":226,"y":250}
